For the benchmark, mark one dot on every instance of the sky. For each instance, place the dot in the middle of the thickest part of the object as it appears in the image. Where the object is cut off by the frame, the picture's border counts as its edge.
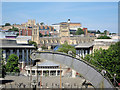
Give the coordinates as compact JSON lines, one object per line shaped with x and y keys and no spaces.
{"x":92,"y":15}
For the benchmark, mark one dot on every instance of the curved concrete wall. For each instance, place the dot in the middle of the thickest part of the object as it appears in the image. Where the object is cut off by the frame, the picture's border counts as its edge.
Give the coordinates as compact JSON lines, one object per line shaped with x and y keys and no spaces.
{"x":85,"y":69}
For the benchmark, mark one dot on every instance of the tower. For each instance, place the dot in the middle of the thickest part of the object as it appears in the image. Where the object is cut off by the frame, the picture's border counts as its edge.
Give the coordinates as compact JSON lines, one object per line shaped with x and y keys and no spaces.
{"x":64,"y":33}
{"x":35,"y":34}
{"x":64,"y":29}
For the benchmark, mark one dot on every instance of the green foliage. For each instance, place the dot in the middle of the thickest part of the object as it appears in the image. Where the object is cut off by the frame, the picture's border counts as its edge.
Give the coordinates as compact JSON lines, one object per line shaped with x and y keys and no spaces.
{"x":79,"y":31}
{"x":17,"y":34}
{"x":40,"y":35}
{"x":7,"y":24}
{"x":47,"y":35}
{"x":3,"y":25}
{"x":3,"y":70}
{"x":14,"y":29}
{"x":104,"y":37}
{"x":41,"y":23}
{"x":105,"y":32}
{"x":65,"y":48}
{"x":12,"y":63}
{"x":98,"y":32}
{"x":109,"y":59}
{"x":89,"y":31}
{"x":34,"y":43}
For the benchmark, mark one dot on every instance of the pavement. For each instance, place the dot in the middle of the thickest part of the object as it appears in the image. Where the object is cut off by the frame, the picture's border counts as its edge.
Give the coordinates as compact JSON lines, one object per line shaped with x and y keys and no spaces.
{"x":46,"y":82}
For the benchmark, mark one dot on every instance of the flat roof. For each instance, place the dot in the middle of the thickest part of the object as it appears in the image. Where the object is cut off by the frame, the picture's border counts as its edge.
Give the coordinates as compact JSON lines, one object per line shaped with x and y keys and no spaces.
{"x":7,"y":43}
{"x":48,"y":63}
{"x":84,"y":45}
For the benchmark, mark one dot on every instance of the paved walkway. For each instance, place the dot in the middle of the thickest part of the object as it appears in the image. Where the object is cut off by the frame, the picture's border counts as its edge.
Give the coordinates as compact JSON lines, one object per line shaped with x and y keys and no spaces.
{"x":47,"y":82}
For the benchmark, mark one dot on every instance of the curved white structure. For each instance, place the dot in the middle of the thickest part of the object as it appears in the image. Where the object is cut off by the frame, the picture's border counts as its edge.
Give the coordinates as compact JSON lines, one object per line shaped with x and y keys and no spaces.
{"x":84,"y":68}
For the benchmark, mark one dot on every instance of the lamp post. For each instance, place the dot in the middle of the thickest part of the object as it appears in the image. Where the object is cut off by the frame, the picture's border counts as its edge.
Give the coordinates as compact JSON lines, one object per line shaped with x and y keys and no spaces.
{"x":114,"y":80}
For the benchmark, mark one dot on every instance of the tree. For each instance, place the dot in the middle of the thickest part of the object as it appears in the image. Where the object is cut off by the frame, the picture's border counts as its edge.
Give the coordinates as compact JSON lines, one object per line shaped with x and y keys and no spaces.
{"x":65,"y":48}
{"x":34,"y":43}
{"x":41,"y":23}
{"x":105,"y":32}
{"x":14,"y":29}
{"x":40,"y":34}
{"x":104,"y":37}
{"x":12,"y":64}
{"x":7,"y":24}
{"x":98,"y":32}
{"x":79,"y":31}
{"x":89,"y":31}
{"x":107,"y":59}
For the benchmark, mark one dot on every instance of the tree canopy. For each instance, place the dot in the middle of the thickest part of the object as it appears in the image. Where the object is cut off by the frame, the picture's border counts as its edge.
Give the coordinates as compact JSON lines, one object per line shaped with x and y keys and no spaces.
{"x":98,"y":32}
{"x":65,"y":48}
{"x":7,"y":24}
{"x":42,"y":23}
{"x":14,"y":29}
{"x":79,"y":31}
{"x":105,"y":32}
{"x":104,"y":37}
{"x":109,"y":59}
{"x":34,"y":43}
{"x":12,"y":63}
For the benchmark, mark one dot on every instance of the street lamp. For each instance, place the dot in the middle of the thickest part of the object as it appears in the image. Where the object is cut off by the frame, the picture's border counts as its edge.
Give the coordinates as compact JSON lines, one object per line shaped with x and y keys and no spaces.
{"x":114,"y":79}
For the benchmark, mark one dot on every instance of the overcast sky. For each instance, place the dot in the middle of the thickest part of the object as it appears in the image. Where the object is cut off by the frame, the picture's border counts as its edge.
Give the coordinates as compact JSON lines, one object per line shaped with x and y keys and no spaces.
{"x":92,"y":15}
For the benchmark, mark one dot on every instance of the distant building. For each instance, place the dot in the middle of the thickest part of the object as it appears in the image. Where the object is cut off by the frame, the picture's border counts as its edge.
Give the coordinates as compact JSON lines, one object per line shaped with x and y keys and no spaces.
{"x":47,"y":30}
{"x":25,"y":31}
{"x":64,"y":35}
{"x":23,"y":51}
{"x":72,"y":26}
{"x":44,"y":30}
{"x":6,"y":27}
{"x":45,"y":68}
{"x":56,"y":27}
{"x":49,"y":68}
{"x":104,"y":43}
{"x":2,"y":35}
{"x":85,"y":31}
{"x":23,"y":39}
{"x":83,"y":49}
{"x":8,"y":35}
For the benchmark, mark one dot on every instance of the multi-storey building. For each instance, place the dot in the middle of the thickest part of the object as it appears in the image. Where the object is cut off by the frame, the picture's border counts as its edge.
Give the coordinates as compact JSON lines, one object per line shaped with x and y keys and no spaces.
{"x":44,"y":30}
{"x":23,"y":52}
{"x":25,"y":31}
{"x":72,"y":26}
{"x":64,"y":36}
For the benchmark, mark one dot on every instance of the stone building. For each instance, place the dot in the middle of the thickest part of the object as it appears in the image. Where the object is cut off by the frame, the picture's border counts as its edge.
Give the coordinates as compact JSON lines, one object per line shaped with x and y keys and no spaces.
{"x":63,"y":36}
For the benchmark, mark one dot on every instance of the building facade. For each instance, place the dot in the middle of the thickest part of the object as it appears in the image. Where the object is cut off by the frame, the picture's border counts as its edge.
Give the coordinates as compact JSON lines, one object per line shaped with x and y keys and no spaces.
{"x":63,"y":36}
{"x":22,"y":51}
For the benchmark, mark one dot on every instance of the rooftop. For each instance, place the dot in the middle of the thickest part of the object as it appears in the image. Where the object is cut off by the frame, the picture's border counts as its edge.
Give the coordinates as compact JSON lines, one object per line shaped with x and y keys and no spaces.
{"x":8,"y":43}
{"x":48,"y":63}
{"x":85,"y":45}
